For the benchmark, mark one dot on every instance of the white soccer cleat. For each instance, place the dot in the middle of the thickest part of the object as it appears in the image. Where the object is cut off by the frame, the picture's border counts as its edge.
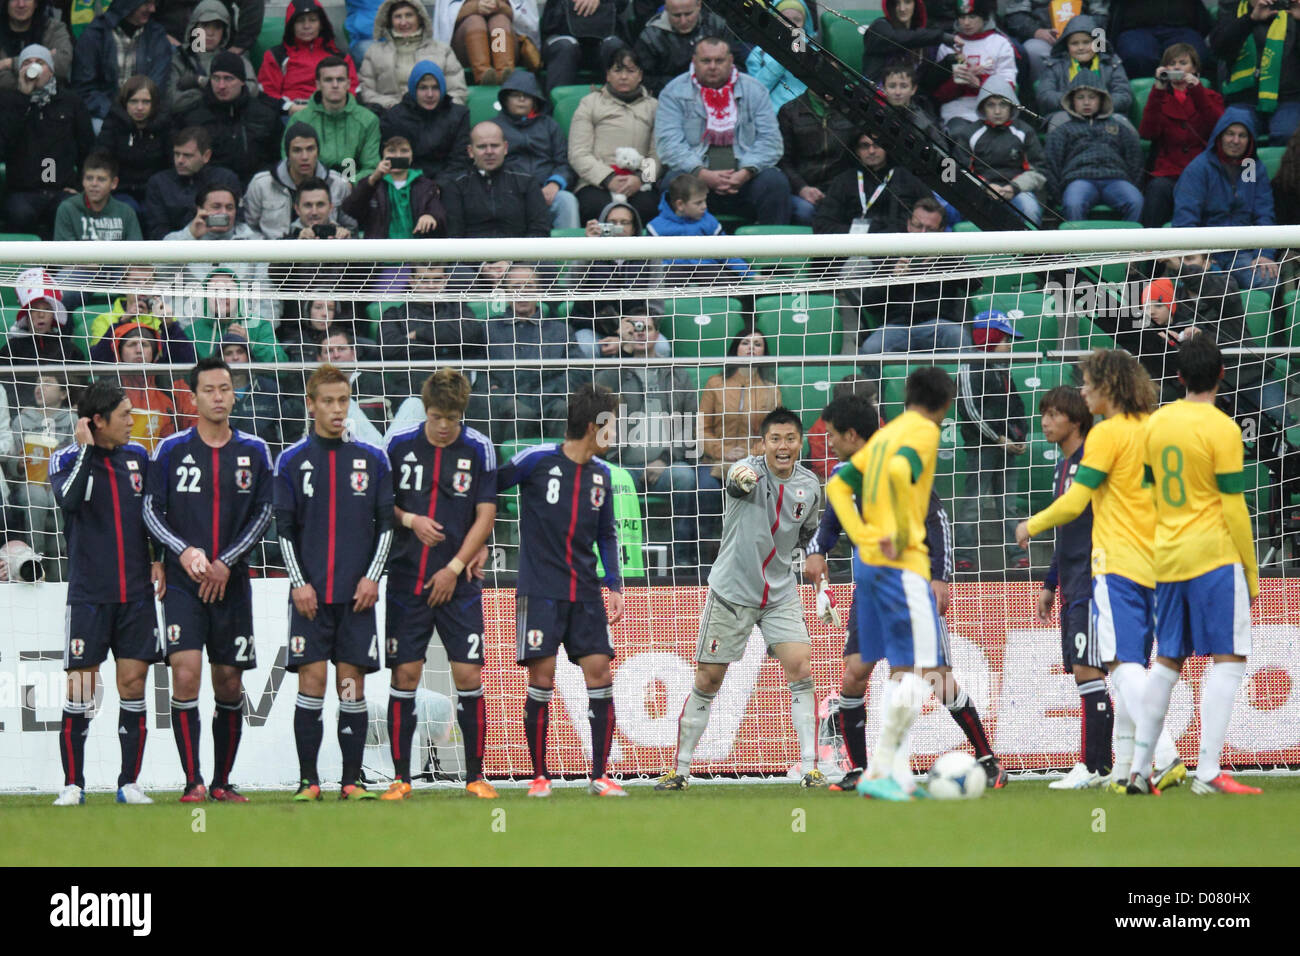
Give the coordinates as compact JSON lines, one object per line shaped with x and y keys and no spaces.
{"x":131,"y":793}
{"x":1079,"y":778}
{"x":70,"y":796}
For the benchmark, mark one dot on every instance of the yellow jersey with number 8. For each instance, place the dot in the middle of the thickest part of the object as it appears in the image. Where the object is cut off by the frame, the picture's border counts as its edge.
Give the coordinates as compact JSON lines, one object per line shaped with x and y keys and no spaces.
{"x":1123,"y":515}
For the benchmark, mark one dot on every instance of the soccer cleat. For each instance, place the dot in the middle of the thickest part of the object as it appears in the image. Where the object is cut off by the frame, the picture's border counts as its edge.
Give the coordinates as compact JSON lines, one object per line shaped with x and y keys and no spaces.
{"x":481,"y":789}
{"x":307,"y":791}
{"x":540,"y":787}
{"x":1221,"y":784}
{"x":397,"y":790}
{"x":997,"y":776}
{"x":195,"y":793}
{"x":357,"y":791}
{"x":1079,"y":778}
{"x":1140,"y":785}
{"x":131,"y":793}
{"x":885,"y":788}
{"x":1170,"y":776}
{"x":847,"y":782}
{"x":70,"y":796}
{"x":604,"y":787}
{"x":672,"y":780}
{"x":814,"y":779}
{"x":1114,"y":786}
{"x":227,"y":794}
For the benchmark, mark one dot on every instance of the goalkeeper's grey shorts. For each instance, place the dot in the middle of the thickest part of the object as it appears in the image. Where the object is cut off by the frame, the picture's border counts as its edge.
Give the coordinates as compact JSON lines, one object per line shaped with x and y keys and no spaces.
{"x":725,"y":627}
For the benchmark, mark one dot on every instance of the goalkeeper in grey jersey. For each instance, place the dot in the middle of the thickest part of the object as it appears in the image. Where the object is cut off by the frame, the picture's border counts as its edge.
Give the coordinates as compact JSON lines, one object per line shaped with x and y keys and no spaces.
{"x":771,"y":510}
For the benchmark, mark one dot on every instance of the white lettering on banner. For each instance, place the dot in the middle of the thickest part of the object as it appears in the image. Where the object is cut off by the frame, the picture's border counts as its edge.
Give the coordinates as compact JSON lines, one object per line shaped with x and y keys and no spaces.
{"x":1266,"y":714}
{"x":633,"y":682}
{"x":76,"y":909}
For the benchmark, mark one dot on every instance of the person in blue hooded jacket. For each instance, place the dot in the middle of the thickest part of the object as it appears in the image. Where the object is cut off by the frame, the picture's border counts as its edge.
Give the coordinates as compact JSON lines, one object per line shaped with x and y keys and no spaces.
{"x":1227,"y":185}
{"x":537,"y":146}
{"x":782,"y":85}
{"x":96,"y":76}
{"x":436,"y":127}
{"x":684,"y":211}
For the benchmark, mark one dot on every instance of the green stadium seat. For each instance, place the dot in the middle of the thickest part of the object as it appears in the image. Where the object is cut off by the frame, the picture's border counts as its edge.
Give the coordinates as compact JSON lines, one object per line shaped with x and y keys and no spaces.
{"x":701,"y":326}
{"x":19,"y":237}
{"x":483,"y":103}
{"x":1115,"y":272}
{"x":1141,"y":87}
{"x":789,"y":266}
{"x":1271,"y":157}
{"x":565,"y":100}
{"x":1014,"y":282}
{"x":576,"y":232}
{"x":1258,"y":304}
{"x":1032,"y":313}
{"x":272,"y":34}
{"x":843,"y":39}
{"x":806,"y":389}
{"x":375,"y":313}
{"x":1092,"y":336}
{"x":799,"y":323}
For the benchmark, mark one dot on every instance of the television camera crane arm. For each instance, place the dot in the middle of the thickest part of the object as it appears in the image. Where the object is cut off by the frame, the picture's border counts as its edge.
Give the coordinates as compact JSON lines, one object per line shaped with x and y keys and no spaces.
{"x":909,"y":144}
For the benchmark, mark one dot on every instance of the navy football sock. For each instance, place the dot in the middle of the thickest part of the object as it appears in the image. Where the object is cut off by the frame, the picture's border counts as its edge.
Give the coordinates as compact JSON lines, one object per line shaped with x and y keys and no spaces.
{"x":401,"y":731}
{"x":471,"y":714}
{"x":185,"y":728}
{"x":601,"y":712}
{"x":1098,"y":726}
{"x":72,"y":743}
{"x":132,"y":728}
{"x":536,"y":722}
{"x":352,"y":737}
{"x":227,"y":729}
{"x":968,"y":719}
{"x":853,"y":728}
{"x":308,"y":731}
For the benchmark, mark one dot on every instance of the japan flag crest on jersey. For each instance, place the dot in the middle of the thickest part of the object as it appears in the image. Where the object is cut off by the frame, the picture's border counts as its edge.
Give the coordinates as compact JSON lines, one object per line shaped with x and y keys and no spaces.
{"x":360,"y":481}
{"x":137,"y":482}
{"x":243,"y":479}
{"x":597,"y":496}
{"x":461,"y":481}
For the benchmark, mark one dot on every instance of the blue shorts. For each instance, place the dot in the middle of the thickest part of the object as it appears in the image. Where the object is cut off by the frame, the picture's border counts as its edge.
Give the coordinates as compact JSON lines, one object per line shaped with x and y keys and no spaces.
{"x":337,"y":634}
{"x":875,"y":651}
{"x":1078,"y":642}
{"x":1208,"y":614}
{"x":129,"y":630}
{"x":410,"y":623}
{"x":900,"y":617}
{"x":543,"y":625}
{"x":224,"y":627}
{"x":1123,"y":619}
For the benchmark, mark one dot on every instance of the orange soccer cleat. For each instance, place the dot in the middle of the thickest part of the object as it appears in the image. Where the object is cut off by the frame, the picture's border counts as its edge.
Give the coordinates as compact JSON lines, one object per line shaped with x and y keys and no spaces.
{"x":226,"y":794}
{"x":397,"y":790}
{"x":1221,"y":784}
{"x":195,"y":794}
{"x":540,"y":787}
{"x":484,"y":790}
{"x":604,"y":787}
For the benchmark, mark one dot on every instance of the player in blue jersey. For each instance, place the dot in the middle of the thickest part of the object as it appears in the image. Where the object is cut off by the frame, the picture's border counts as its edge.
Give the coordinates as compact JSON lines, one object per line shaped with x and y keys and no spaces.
{"x":445,"y":487}
{"x":566,"y":507}
{"x":1066,"y":421}
{"x":334,"y":515}
{"x":208,"y":503}
{"x":850,"y":421}
{"x":99,"y":484}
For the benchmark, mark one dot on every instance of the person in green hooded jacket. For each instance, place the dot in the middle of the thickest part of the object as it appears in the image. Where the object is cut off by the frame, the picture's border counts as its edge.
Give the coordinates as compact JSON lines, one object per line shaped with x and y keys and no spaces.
{"x":225,"y":310}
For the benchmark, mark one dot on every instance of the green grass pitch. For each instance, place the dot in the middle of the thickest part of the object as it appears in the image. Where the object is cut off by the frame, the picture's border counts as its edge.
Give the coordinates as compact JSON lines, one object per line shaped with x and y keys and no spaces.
{"x":721,"y":825}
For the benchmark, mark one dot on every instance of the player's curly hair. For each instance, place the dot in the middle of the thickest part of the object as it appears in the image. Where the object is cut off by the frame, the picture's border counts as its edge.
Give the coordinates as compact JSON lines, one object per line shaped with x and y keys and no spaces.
{"x":1122,"y":379}
{"x":447,"y":390}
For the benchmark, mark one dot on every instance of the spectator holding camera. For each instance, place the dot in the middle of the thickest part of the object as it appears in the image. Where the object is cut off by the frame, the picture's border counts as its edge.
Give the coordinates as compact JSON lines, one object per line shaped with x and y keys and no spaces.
{"x":396,"y":201}
{"x":1178,"y":118}
{"x":170,"y":194}
{"x":1257,"y":41}
{"x":596,"y":321}
{"x":144,"y":307}
{"x":268,"y":205}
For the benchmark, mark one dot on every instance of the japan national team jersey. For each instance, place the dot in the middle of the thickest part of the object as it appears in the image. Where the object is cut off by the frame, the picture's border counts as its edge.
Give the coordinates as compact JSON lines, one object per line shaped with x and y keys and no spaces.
{"x":915,"y":438}
{"x":1123,"y":515}
{"x":445,"y":485}
{"x":1194,"y":454}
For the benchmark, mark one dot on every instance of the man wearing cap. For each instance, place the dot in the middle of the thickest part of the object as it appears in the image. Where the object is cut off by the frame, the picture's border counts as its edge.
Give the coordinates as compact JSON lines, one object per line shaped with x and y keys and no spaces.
{"x":994,"y":429}
{"x":118,"y":44}
{"x":39,"y":334}
{"x":45,"y":133}
{"x":244,"y":127}
{"x":268,"y":204}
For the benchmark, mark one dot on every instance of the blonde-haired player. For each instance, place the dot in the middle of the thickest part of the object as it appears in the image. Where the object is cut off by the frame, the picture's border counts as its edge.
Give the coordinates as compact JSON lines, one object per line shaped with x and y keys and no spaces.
{"x":891,"y":475}
{"x":1110,"y":477}
{"x":1206,"y":575}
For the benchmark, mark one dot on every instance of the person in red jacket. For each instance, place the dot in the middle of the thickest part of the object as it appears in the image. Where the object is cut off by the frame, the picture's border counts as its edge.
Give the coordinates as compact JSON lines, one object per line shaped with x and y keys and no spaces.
{"x":822,"y":460}
{"x":288,"y":70}
{"x":1178,"y":119}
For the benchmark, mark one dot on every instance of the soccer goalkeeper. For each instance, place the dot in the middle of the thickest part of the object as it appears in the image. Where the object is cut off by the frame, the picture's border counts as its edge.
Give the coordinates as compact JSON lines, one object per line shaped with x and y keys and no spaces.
{"x":771,"y":509}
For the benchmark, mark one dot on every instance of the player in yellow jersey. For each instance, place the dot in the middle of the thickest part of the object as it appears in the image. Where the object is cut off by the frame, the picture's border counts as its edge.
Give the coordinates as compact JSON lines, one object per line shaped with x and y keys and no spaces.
{"x":1110,"y":477}
{"x":1206,"y":575}
{"x":891,"y":475}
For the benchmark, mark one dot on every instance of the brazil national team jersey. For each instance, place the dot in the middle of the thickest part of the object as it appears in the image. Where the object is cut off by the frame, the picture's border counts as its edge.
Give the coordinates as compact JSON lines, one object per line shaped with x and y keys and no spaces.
{"x":1194,"y":454}
{"x":914,"y":438}
{"x":445,"y":485}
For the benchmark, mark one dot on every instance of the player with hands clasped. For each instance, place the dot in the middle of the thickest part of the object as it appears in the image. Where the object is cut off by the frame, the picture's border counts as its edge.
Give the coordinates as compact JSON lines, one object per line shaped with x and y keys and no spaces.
{"x":770,"y":510}
{"x":851,"y":420}
{"x":1207,"y":578}
{"x":207,"y":503}
{"x":1110,"y":477}
{"x":334,"y":516}
{"x":98,"y":483}
{"x":445,"y":489}
{"x":566,"y":510}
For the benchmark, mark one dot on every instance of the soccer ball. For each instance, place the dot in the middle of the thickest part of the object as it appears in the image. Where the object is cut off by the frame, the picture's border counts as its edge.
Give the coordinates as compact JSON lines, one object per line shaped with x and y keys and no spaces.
{"x":956,"y":776}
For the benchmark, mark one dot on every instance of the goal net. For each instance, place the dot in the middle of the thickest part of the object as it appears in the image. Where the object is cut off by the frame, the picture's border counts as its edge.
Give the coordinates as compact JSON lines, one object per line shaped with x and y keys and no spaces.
{"x":699,"y":338}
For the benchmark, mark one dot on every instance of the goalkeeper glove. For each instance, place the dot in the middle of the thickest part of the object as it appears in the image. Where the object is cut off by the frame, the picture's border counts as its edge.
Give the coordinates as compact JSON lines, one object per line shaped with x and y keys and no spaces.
{"x":744,"y":478}
{"x":826,"y":609}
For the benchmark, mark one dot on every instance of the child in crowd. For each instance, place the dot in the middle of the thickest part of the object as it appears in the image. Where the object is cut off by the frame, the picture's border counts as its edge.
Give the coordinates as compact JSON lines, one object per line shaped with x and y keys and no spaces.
{"x":1004,"y":151}
{"x":39,"y":427}
{"x":1094,"y":157}
{"x":984,"y":54}
{"x":684,"y":211}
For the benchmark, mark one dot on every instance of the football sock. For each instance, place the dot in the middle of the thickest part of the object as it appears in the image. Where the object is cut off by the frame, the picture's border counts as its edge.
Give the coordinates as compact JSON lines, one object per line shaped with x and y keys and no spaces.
{"x":132,"y":728}
{"x":537,"y":720}
{"x":1150,"y":720}
{"x":968,"y":719}
{"x":903,"y":765}
{"x":308,"y":731}
{"x":1123,"y":738}
{"x":72,"y":743}
{"x":1166,"y":749}
{"x":227,"y":729}
{"x":401,"y":731}
{"x":600,"y":711}
{"x":903,"y":702}
{"x":471,"y":714}
{"x":690,"y":727}
{"x":185,"y":728}
{"x":1129,"y":680}
{"x":803,"y":713}
{"x":353,"y":721}
{"x":853,"y":729}
{"x":1098,"y":726}
{"x":1217,"y":693}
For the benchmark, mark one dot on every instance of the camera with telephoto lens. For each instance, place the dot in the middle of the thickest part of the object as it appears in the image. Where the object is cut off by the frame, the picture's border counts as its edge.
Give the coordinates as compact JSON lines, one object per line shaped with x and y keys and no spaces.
{"x":638,"y":325}
{"x":325,"y":230}
{"x":217,"y":220}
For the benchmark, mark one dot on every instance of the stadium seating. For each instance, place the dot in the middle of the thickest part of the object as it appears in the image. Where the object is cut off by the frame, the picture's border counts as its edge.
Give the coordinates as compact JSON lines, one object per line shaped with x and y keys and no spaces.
{"x":565,"y":100}
{"x":806,"y":389}
{"x":701,"y":327}
{"x":483,"y":103}
{"x":789,"y":265}
{"x":1271,"y":157}
{"x":799,"y":323}
{"x":1258,"y":304}
{"x":842,"y":38}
